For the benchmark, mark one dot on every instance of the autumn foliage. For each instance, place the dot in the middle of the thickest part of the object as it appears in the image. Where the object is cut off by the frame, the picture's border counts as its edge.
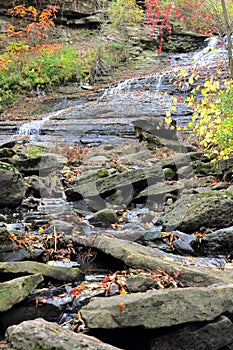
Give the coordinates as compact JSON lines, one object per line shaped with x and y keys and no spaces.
{"x":203,"y":16}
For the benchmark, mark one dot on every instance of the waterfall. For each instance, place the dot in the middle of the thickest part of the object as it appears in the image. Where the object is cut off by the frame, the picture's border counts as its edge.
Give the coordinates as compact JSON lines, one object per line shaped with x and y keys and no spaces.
{"x":33,"y":129}
{"x":215,"y":49}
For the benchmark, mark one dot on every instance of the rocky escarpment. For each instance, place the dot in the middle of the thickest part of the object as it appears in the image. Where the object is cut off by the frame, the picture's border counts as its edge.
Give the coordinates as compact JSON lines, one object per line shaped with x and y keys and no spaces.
{"x":88,"y":14}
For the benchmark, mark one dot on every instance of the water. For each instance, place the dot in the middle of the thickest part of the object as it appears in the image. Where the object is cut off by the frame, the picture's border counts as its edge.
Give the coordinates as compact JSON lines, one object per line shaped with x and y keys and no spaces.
{"x":32,"y":129}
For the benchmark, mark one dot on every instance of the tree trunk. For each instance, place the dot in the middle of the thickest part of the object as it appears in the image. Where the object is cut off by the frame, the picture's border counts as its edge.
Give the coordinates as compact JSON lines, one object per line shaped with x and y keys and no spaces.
{"x":229,"y":42}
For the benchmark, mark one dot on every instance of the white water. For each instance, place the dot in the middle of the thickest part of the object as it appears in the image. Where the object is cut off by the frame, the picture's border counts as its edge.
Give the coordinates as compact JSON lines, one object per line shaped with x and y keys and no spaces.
{"x":215,"y":51}
{"x":32,"y":129}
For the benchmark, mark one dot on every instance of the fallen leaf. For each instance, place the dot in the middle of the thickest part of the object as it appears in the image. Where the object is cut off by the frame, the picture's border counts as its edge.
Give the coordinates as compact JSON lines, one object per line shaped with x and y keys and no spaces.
{"x":121,"y":306}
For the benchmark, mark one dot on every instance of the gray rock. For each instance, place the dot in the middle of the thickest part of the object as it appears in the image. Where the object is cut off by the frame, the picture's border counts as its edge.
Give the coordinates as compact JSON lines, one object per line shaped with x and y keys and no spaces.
{"x":185,"y":172}
{"x":140,"y":284}
{"x":208,"y":209}
{"x":36,"y":187}
{"x":211,"y":336}
{"x":12,"y":186}
{"x":41,"y":165}
{"x":10,"y":255}
{"x":40,"y":334}
{"x":162,"y":308}
{"x":218,"y":242}
{"x":99,"y":159}
{"x":106,"y":216}
{"x":159,"y":190}
{"x":61,"y":227}
{"x":132,"y":157}
{"x":125,"y":181}
{"x":182,"y":247}
{"x":183,"y":243}
{"x":32,"y":267}
{"x":16,"y":290}
{"x":137,"y":256}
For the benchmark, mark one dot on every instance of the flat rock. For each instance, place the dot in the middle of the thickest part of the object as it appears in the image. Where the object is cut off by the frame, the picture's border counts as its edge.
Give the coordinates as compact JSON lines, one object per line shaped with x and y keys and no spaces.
{"x":162,"y":308}
{"x":16,"y":290}
{"x":137,"y":256}
{"x":41,"y":165}
{"x":32,"y":267}
{"x":40,"y":334}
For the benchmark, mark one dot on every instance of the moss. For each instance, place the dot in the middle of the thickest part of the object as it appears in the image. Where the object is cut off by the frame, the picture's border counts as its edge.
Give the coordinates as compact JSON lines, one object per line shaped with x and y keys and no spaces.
{"x":34,"y":150}
{"x":9,"y":167}
{"x":210,"y":194}
{"x":102,"y":173}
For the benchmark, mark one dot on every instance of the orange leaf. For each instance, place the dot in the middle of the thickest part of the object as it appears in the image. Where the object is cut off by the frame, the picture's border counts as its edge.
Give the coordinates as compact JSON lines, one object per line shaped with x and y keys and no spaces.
{"x":121,"y":306}
{"x":106,"y":279}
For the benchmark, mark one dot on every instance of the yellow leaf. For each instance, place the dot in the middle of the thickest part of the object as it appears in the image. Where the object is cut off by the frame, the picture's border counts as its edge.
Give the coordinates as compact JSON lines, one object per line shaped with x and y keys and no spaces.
{"x":54,"y":330}
{"x":173,"y":108}
{"x":122,"y":291}
{"x":174,"y":99}
{"x":191,"y":80}
{"x":168,"y":120}
{"x":168,"y":114}
{"x":40,"y":230}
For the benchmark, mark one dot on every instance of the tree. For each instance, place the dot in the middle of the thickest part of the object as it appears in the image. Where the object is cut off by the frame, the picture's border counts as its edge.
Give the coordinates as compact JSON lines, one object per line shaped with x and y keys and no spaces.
{"x":204,"y":16}
{"x":229,"y":41}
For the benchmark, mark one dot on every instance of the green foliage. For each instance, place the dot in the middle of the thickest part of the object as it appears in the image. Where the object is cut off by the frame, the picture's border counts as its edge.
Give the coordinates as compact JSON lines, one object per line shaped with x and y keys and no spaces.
{"x":34,"y":150}
{"x":124,"y":13}
{"x":224,"y":132}
{"x":49,"y":68}
{"x":26,"y":64}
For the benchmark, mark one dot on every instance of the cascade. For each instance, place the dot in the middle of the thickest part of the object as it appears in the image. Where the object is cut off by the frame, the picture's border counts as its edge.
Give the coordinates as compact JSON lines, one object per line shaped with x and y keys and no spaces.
{"x":215,"y":50}
{"x":33,"y":129}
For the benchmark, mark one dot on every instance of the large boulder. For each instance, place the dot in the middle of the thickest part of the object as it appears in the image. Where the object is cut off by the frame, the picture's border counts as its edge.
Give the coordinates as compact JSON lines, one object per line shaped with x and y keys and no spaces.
{"x":41,"y":165}
{"x":157,"y":309}
{"x":211,"y":209}
{"x":137,"y":256}
{"x":40,"y":334}
{"x":126,"y":181}
{"x":12,"y":186}
{"x":16,"y":290}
